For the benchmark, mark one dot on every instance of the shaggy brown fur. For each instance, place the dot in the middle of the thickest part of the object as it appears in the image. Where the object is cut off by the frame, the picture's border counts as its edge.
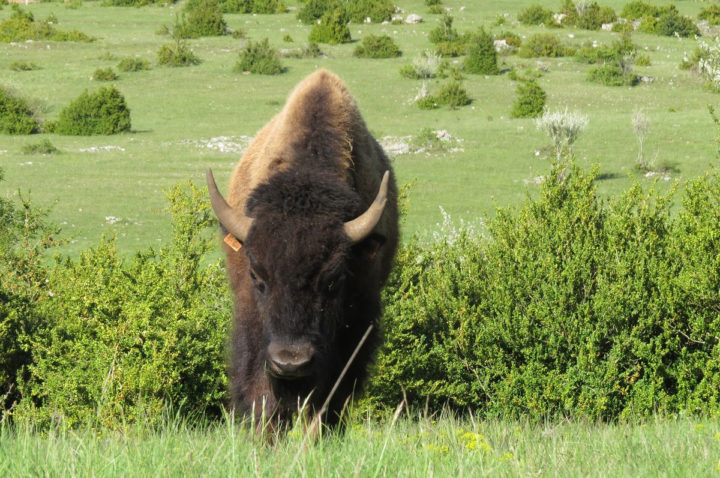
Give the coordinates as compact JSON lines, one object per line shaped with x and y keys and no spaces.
{"x":311,"y":168}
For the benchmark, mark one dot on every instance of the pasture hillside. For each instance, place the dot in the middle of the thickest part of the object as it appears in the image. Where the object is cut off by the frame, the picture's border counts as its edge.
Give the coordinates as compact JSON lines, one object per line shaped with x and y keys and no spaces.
{"x":187,"y":119}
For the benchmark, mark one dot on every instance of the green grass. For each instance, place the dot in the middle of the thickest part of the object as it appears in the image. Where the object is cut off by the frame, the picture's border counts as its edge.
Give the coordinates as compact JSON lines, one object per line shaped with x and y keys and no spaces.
{"x":420,"y":447}
{"x":175,"y":111}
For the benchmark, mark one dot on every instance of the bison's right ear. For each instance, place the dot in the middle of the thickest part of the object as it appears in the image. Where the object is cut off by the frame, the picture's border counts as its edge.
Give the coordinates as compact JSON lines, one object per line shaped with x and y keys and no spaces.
{"x":236,"y":223}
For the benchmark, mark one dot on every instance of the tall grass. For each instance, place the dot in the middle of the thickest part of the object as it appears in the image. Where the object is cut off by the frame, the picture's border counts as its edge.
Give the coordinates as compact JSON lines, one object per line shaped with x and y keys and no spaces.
{"x":412,"y":446}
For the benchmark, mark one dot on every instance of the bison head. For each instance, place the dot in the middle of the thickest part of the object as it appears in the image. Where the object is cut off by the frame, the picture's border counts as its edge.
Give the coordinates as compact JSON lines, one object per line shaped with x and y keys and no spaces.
{"x":306,"y":247}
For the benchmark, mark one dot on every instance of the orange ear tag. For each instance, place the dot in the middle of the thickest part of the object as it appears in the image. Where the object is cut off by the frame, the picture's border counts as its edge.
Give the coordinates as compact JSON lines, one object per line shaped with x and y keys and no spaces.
{"x":232,"y":241}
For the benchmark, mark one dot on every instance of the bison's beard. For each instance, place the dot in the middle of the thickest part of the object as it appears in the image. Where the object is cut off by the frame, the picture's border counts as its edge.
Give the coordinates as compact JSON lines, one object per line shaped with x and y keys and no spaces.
{"x":302,"y":395}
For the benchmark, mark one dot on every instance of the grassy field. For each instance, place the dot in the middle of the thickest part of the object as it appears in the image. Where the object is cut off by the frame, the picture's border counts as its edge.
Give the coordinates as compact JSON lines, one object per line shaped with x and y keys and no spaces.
{"x":183,"y":117}
{"x":422,"y":448}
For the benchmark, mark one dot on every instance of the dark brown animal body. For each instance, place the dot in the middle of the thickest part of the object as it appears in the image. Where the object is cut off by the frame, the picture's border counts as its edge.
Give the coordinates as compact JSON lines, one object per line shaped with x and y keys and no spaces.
{"x":316,"y":214}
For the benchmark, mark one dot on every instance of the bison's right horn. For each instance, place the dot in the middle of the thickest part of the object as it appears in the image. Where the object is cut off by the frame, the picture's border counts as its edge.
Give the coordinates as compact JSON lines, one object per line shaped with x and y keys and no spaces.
{"x":236,"y":223}
{"x":360,"y":227}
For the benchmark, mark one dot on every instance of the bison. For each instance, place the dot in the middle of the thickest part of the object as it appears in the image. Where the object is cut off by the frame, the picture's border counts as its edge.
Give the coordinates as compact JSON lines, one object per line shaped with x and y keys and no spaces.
{"x":312,"y":228}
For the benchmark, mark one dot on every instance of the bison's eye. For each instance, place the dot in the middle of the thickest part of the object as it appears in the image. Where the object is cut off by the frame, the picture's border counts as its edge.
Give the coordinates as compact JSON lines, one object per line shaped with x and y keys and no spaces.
{"x":258,"y":283}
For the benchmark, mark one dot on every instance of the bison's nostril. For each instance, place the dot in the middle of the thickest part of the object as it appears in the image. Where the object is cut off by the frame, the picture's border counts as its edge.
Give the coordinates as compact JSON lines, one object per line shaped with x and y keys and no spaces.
{"x":290,"y":361}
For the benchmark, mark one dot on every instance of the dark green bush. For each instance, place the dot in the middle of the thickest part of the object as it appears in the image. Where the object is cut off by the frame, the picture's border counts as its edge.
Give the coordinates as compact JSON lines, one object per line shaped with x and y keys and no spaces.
{"x":377,"y":46}
{"x":136,"y":3}
{"x":535,"y":15}
{"x":332,"y":29}
{"x":252,"y":6}
{"x":711,"y":13}
{"x":22,"y":26}
{"x":444,"y":33}
{"x":572,"y":307}
{"x":636,"y":10}
{"x":481,"y":55}
{"x":530,"y":100}
{"x":593,"y":17}
{"x":43,"y":147}
{"x":104,"y":74}
{"x":260,"y":58}
{"x":16,"y":117}
{"x":377,"y":11}
{"x":103,"y":112}
{"x":177,"y":54}
{"x":544,"y":44}
{"x":132,"y":64}
{"x":125,"y":338}
{"x":452,"y":94}
{"x":671,"y":23}
{"x":612,"y":75}
{"x":201,"y":18}
{"x":313,"y":10}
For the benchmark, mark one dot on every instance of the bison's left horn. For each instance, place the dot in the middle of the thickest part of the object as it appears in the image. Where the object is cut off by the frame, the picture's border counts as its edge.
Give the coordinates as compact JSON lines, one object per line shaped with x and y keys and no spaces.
{"x":236,"y":223}
{"x":360,"y":227}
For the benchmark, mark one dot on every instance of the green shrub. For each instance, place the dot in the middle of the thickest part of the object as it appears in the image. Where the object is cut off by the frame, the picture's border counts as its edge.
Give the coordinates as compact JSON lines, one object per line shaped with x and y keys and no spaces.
{"x":103,"y":112}
{"x":125,"y":338}
{"x":593,"y":16}
{"x":711,"y":13}
{"x":530,"y":100}
{"x":201,"y":18}
{"x":444,"y":33}
{"x":251,"y":6}
{"x":377,"y":46}
{"x":430,"y":3}
{"x":571,"y":307}
{"x":672,"y":23}
{"x":313,"y":10}
{"x":643,"y":60}
{"x":535,"y":15}
{"x":377,"y":11}
{"x":543,"y":44}
{"x":332,"y":29}
{"x":511,"y":38}
{"x":481,"y":55}
{"x":133,"y":64}
{"x":23,"y":66}
{"x":260,"y":58}
{"x":612,"y":75}
{"x":104,"y":74}
{"x":423,"y":67}
{"x":177,"y":54}
{"x":16,"y":116}
{"x":136,"y":3}
{"x":25,"y":234}
{"x":452,"y":94}
{"x":636,"y":10}
{"x":22,"y":26}
{"x":43,"y":147}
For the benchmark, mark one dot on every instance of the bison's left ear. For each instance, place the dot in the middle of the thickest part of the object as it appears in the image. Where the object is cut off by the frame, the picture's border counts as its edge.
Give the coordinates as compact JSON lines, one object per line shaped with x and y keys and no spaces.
{"x":369,"y":247}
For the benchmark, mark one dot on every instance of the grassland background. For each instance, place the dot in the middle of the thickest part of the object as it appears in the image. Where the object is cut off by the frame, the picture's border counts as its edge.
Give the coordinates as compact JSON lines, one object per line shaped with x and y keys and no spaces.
{"x":175,"y":111}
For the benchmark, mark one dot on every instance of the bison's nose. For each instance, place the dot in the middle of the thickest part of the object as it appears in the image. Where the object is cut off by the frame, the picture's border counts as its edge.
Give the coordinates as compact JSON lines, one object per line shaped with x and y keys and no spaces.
{"x":290,"y":361}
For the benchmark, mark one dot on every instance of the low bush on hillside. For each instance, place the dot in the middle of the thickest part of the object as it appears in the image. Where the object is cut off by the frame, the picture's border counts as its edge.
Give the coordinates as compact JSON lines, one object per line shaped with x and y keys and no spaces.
{"x":16,"y":116}
{"x":260,"y":58}
{"x":22,"y":26}
{"x":536,"y":15}
{"x":544,"y":44}
{"x":424,"y":66}
{"x":636,"y":10}
{"x":252,"y":6}
{"x":711,"y":14}
{"x":377,"y":11}
{"x":592,"y":16}
{"x":136,"y":3}
{"x":104,"y":74}
{"x":481,"y":55}
{"x":100,"y":113}
{"x":331,"y":29}
{"x":132,"y":64}
{"x":43,"y":147}
{"x":451,"y":94}
{"x":23,"y":66}
{"x":613,"y":75}
{"x":201,"y":18}
{"x":177,"y":54}
{"x":377,"y":46}
{"x":669,"y":22}
{"x":529,"y":101}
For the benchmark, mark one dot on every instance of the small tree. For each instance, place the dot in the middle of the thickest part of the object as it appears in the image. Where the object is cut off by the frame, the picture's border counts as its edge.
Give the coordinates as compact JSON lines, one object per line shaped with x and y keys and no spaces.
{"x":102,"y":112}
{"x":481,"y":55}
{"x":530,"y":101}
{"x":332,"y":28}
{"x":260,"y":58}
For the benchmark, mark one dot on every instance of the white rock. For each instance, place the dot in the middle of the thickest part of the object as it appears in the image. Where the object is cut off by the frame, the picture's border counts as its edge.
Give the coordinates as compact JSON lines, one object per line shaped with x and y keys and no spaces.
{"x":413,"y":19}
{"x":607,"y":26}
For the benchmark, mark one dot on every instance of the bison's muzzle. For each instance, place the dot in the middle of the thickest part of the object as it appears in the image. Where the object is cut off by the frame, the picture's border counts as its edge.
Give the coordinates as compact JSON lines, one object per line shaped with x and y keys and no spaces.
{"x":289,"y":361}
